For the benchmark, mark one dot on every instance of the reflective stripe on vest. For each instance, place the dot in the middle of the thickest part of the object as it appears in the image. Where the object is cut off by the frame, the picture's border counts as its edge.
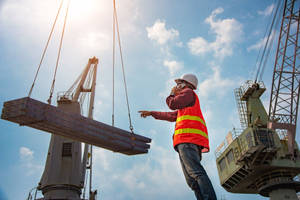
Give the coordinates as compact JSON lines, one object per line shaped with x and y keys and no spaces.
{"x":190,"y":117}
{"x":191,"y":130}
{"x":191,"y":127}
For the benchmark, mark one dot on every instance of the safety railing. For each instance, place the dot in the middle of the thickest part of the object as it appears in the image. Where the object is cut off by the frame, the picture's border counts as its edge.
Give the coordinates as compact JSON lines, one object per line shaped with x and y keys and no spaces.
{"x":230,"y":137}
{"x":64,"y":96}
{"x":249,"y":84}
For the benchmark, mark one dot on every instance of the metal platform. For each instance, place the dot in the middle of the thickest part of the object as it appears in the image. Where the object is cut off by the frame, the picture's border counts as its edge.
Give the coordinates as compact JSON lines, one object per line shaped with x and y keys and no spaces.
{"x":38,"y":115}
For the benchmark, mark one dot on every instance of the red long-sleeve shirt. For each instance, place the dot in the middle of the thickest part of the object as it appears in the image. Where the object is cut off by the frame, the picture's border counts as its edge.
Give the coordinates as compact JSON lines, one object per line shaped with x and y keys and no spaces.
{"x":184,"y":99}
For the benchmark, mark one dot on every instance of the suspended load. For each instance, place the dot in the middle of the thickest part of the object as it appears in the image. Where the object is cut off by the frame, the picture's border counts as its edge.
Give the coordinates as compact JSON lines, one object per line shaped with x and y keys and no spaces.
{"x":65,"y":119}
{"x":29,"y":112}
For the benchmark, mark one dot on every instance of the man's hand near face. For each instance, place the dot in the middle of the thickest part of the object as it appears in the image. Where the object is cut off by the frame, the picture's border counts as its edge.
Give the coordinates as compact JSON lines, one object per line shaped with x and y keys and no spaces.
{"x":175,"y":91}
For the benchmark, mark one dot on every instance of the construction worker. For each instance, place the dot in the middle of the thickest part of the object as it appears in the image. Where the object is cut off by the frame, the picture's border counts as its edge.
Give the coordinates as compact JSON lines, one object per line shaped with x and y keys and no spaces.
{"x":190,"y":139}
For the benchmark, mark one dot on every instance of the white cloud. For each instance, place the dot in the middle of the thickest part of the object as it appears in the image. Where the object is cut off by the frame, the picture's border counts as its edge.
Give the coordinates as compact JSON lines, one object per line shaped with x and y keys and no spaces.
{"x":131,"y":180}
{"x":168,"y":86}
{"x":103,"y":102}
{"x":199,"y":46}
{"x":228,"y":32}
{"x":101,"y":155}
{"x":173,"y":66}
{"x":261,"y":43}
{"x":148,"y":176}
{"x":208,"y":114}
{"x":215,"y":84}
{"x":96,"y":41}
{"x":257,"y":45}
{"x":25,"y":153}
{"x":267,"y":11}
{"x":157,"y":175}
{"x":159,"y":33}
{"x":179,"y":44}
{"x":27,"y":162}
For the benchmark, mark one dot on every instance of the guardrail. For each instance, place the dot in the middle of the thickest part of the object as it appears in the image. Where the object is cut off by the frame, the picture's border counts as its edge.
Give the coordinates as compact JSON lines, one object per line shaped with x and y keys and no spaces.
{"x":232,"y":135}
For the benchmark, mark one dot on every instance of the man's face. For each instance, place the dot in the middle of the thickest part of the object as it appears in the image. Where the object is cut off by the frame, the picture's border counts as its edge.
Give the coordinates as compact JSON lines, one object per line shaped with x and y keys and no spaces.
{"x":180,"y":85}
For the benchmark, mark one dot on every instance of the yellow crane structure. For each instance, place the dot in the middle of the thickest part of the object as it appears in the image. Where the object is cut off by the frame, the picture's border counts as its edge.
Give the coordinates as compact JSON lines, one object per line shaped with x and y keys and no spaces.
{"x":263,"y":158}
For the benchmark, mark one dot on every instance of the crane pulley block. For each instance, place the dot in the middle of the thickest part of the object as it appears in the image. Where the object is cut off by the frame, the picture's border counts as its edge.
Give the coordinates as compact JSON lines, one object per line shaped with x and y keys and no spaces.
{"x":29,"y":112}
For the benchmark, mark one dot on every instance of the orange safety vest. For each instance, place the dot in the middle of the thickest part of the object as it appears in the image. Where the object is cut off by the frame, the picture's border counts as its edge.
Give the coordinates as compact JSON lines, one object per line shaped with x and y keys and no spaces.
{"x":190,"y":127}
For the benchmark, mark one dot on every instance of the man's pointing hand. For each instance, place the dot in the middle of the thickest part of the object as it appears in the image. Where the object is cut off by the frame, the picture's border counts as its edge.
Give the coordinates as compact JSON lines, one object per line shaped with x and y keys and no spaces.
{"x":145,"y":113}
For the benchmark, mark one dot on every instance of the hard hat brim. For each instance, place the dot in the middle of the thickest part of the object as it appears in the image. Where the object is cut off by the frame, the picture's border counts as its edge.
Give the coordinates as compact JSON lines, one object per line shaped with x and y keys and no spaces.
{"x":181,"y":80}
{"x":178,"y":80}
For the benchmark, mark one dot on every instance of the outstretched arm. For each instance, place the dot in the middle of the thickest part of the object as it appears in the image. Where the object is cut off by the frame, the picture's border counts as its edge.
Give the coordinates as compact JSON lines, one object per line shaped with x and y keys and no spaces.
{"x":168,"y":116}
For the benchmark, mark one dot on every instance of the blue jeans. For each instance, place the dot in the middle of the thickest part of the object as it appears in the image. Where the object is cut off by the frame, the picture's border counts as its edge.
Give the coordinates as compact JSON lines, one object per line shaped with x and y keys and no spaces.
{"x":195,"y":175}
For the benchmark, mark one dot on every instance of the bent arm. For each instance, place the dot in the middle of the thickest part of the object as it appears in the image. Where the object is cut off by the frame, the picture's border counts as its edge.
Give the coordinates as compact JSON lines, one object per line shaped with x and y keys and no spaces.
{"x":184,"y":99}
{"x":167,"y":116}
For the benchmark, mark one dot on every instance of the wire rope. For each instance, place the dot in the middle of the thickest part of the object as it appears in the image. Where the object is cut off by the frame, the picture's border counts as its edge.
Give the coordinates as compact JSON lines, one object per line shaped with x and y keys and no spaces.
{"x":58,"y":55}
{"x":260,"y":49}
{"x":91,"y":169}
{"x":271,"y":44}
{"x":45,"y":48}
{"x":71,"y":89}
{"x":113,"y":71}
{"x":122,"y":63}
{"x":268,"y":52}
{"x":267,"y":46}
{"x":85,"y":184}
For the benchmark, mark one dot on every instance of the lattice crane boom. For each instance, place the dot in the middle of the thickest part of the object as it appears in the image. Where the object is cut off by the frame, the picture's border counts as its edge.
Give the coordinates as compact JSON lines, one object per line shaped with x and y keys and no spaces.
{"x":284,"y":100}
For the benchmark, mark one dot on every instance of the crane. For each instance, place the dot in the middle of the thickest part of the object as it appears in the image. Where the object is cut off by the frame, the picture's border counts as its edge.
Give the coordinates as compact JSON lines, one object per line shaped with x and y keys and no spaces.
{"x":64,"y":176}
{"x":258,"y":159}
{"x":64,"y":173}
{"x":285,"y":90}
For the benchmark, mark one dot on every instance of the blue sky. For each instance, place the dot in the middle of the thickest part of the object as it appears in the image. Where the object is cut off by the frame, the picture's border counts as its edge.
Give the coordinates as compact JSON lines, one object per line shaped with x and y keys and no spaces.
{"x":161,"y":40}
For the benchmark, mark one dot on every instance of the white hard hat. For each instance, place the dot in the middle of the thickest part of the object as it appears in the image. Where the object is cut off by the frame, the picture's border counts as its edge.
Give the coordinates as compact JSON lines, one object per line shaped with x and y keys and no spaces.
{"x":190,"y":78}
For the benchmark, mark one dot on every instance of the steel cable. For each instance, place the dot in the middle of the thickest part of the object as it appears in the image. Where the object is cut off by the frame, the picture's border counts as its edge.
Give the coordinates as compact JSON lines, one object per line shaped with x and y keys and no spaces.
{"x":122,"y":63}
{"x":58,"y":55}
{"x":45,"y":49}
{"x":268,"y":52}
{"x":113,"y":69}
{"x":267,"y":46}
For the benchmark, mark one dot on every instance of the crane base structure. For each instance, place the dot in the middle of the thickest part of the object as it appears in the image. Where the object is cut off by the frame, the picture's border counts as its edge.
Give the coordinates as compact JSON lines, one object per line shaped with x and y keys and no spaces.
{"x":256,"y":160}
{"x":29,"y":112}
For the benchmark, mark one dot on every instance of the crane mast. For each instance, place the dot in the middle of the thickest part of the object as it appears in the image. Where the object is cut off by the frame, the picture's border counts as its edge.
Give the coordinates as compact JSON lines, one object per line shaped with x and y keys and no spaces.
{"x":65,"y":169}
{"x":284,"y":98}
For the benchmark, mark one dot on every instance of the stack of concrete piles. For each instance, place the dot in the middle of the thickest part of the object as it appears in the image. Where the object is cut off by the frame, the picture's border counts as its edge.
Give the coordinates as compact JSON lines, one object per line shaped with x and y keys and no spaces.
{"x":41,"y":116}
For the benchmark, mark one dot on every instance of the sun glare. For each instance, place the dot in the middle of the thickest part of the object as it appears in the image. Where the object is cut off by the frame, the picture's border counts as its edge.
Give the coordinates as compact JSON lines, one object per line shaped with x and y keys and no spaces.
{"x":85,"y":9}
{"x":82,"y":8}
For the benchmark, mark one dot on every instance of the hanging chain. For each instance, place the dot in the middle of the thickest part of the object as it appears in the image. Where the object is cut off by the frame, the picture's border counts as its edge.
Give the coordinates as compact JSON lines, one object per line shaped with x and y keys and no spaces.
{"x":121,"y":55}
{"x":58,"y":55}
{"x":45,"y":49}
